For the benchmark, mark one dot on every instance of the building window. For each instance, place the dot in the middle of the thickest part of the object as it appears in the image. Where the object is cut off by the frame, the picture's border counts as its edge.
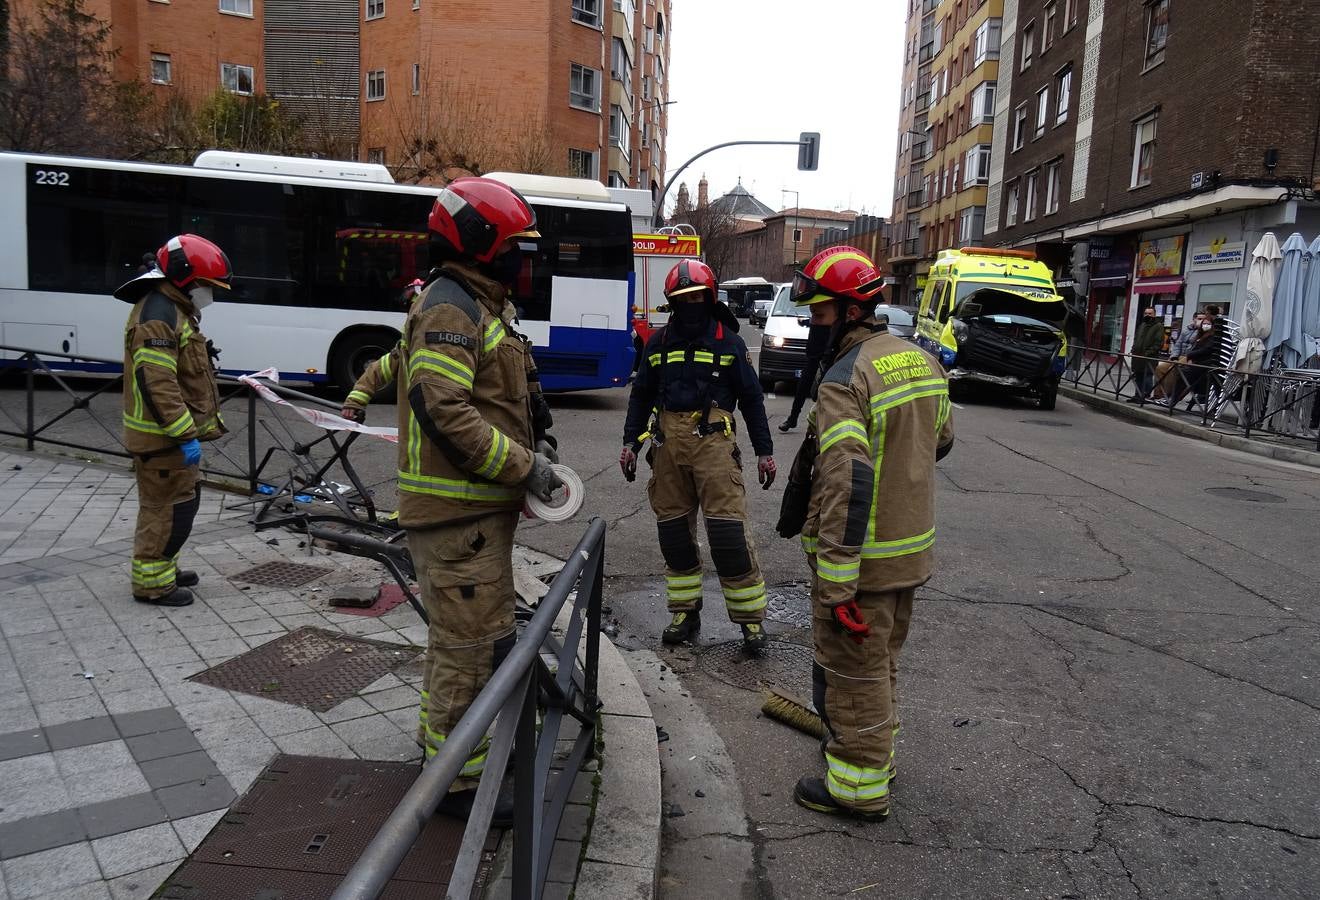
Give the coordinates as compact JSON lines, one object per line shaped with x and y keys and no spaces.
{"x":417,"y":4}
{"x":1157,"y":31}
{"x":620,"y":68}
{"x":617,"y":180}
{"x":581,"y":163}
{"x":1011,"y":204}
{"x":235,"y":78}
{"x":587,"y":12}
{"x":375,"y":9}
{"x":983,"y":104}
{"x":1047,"y":32}
{"x":1143,"y":150}
{"x":971,"y":225}
{"x":987,"y":41}
{"x":1030,"y":214}
{"x":237,"y":7}
{"x":1042,"y":109}
{"x":376,"y":155}
{"x":646,"y":87}
{"x":978,"y":165}
{"x":1020,"y":127}
{"x":1063,"y":90}
{"x":1028,"y":44}
{"x":620,"y":128}
{"x":417,"y":78}
{"x":376,"y":84}
{"x":1070,"y":13}
{"x":160,"y":68}
{"x":1052,"y":186}
{"x":584,"y":88}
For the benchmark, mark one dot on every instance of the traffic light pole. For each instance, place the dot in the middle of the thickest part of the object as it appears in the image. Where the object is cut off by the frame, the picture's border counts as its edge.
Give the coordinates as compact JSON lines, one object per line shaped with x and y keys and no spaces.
{"x":658,"y":218}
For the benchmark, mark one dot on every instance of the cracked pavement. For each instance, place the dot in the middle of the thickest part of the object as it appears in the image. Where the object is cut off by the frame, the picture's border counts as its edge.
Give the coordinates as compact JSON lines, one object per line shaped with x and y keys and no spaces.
{"x":1111,"y":689}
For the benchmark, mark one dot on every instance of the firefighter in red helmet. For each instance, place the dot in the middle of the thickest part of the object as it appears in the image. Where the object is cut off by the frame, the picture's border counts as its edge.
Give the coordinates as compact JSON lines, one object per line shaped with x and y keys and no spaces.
{"x":473,"y":441}
{"x":882,"y":419}
{"x":694,"y":372}
{"x":171,"y":405}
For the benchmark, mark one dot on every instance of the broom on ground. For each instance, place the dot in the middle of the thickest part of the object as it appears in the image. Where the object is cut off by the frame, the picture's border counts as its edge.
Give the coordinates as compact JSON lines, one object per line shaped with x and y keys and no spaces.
{"x":792,"y":710}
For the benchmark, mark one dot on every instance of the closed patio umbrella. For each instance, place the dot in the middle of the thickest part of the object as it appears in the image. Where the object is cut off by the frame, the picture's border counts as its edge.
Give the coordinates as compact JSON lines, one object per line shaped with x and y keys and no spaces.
{"x":1286,"y":336}
{"x":1310,"y":307}
{"x":1261,"y":279}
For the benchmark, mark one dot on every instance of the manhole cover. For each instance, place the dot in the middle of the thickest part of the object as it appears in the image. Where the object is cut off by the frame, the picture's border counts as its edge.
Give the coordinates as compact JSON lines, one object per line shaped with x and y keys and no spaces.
{"x":1052,"y":423}
{"x":784,"y":664}
{"x":1245,"y":494}
{"x":303,"y":824}
{"x":281,"y":574}
{"x":310,"y":667}
{"x":789,"y":603}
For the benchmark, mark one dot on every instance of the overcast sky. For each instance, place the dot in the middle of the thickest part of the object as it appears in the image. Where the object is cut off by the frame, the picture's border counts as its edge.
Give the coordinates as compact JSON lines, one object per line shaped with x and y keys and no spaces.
{"x":769,"y":69}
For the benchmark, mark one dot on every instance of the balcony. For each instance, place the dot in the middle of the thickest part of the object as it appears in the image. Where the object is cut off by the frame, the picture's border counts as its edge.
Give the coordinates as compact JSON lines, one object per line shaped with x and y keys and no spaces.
{"x":912,"y":246}
{"x":927,"y":52}
{"x":923,"y":102}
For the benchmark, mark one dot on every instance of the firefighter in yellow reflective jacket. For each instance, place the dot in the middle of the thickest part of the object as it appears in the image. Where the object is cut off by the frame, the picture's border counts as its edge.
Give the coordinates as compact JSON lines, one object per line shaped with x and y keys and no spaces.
{"x":470,"y":448}
{"x":379,"y":373}
{"x":171,"y":405}
{"x":882,"y":419}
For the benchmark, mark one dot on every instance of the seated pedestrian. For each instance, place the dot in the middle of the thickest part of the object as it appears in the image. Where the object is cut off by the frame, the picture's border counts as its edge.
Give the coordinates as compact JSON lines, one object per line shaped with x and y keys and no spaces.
{"x":1147,"y":345}
{"x":1167,"y":373}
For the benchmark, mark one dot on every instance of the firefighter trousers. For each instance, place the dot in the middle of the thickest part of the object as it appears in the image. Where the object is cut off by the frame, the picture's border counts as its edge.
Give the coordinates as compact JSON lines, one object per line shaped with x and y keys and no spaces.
{"x":168,"y":497}
{"x":856,"y":692}
{"x":691,"y":472}
{"x":465,"y":572}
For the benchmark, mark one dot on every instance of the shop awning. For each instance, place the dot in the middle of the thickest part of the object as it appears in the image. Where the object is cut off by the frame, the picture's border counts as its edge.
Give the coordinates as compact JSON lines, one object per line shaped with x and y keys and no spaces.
{"x":1158,"y":285}
{"x":1111,"y":281}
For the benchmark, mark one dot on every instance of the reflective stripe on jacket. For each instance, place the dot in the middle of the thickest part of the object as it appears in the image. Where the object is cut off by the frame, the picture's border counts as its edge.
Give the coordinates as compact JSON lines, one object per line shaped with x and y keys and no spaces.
{"x":465,"y":403}
{"x":170,"y":391}
{"x":882,"y":414}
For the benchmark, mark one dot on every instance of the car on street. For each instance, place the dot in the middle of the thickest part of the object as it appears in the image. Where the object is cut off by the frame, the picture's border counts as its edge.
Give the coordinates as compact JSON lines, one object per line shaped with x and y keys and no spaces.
{"x":761,"y":309}
{"x":902,"y":320}
{"x":784,"y":341}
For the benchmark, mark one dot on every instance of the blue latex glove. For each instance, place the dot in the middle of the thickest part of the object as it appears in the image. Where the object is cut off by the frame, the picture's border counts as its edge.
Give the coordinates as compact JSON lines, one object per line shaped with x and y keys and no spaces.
{"x":192,"y":452}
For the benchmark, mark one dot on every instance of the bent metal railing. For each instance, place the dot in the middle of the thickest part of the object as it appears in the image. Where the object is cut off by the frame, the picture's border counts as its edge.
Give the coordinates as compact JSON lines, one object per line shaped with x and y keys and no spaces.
{"x":1277,"y":405}
{"x":567,"y":689}
{"x":301,"y":460}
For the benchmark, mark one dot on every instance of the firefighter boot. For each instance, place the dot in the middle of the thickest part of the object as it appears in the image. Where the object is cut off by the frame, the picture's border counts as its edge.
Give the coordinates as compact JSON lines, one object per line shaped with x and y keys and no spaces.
{"x":180,"y":596}
{"x":458,"y":804}
{"x":186,"y":578}
{"x":754,"y":638}
{"x":683,"y":627}
{"x":813,"y":794}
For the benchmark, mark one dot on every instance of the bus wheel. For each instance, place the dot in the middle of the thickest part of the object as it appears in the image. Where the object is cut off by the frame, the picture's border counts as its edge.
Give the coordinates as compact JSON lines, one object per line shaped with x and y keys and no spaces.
{"x":354,"y":351}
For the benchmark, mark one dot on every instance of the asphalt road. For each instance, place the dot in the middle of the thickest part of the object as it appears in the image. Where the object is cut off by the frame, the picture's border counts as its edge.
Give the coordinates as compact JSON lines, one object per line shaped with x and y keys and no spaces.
{"x":1111,"y":689}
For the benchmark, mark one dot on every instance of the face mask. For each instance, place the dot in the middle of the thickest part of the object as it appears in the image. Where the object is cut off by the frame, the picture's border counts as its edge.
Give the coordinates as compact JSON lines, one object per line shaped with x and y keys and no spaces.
{"x":1207,"y":326}
{"x":507,"y":267}
{"x":692,"y":316}
{"x":202,"y":296}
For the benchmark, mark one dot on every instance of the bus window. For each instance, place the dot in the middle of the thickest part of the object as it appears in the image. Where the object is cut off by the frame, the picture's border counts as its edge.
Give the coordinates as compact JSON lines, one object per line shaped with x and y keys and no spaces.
{"x":255,"y":223}
{"x":575,"y":243}
{"x":87,"y":235}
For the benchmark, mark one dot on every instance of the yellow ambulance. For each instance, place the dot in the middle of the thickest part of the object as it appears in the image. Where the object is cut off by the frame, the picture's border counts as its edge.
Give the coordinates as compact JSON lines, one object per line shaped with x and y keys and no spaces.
{"x":994,"y":317}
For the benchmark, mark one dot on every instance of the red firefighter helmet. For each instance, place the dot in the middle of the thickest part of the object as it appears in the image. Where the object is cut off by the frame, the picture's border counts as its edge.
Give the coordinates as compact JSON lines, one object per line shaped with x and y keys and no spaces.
{"x":475,"y":216}
{"x":688,"y":276}
{"x":837,"y":273}
{"x":189,"y":257}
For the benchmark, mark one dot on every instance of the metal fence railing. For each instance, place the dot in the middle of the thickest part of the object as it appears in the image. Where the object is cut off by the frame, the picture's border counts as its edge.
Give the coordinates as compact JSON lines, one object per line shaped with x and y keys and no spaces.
{"x":1276,"y":405}
{"x":268,"y":450}
{"x":509,"y":701}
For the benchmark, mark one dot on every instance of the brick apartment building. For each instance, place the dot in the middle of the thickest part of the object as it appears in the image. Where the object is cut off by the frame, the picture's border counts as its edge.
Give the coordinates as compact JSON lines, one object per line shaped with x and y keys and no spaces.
{"x":781,"y":242}
{"x":573,"y":86}
{"x":951,"y":65}
{"x":1159,"y":140}
{"x":870,"y":234}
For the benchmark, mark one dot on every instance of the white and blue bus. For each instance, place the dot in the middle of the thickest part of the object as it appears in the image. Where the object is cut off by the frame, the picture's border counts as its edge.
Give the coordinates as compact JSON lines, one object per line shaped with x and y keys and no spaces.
{"x":322,"y":254}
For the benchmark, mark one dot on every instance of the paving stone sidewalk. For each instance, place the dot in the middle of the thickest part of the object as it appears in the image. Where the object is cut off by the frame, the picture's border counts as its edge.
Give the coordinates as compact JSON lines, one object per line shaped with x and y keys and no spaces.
{"x":114,"y":766}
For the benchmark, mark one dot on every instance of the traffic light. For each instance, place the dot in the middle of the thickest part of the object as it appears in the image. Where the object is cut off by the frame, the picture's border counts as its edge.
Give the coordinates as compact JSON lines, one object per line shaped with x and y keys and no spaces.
{"x":809,"y":151}
{"x":1081,"y":268}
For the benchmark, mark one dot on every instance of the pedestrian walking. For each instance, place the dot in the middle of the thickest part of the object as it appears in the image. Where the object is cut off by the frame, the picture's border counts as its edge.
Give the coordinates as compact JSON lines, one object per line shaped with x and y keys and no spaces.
{"x":171,"y":404}
{"x":695,"y":371}
{"x":817,"y":338}
{"x":1147,"y":345}
{"x":470,"y":449}
{"x":882,"y":419}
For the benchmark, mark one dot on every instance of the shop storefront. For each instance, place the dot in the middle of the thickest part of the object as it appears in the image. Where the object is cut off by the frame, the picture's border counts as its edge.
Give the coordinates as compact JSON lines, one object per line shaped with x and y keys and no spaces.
{"x":1160,"y":282}
{"x":1111,"y":273}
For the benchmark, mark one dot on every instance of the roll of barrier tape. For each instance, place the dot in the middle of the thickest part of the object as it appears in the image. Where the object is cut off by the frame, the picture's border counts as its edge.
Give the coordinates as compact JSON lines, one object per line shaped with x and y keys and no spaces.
{"x":567,"y":500}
